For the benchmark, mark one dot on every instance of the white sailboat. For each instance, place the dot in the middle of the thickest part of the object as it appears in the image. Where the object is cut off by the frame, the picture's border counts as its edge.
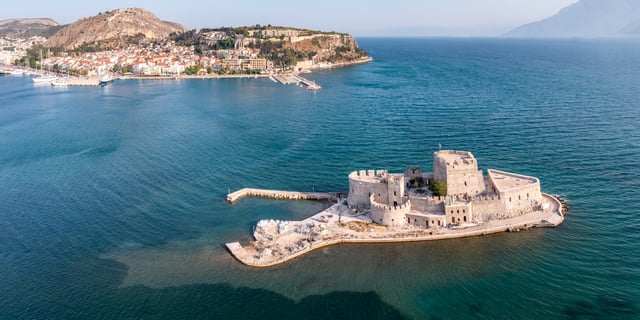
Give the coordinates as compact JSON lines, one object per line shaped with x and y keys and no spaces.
{"x":43,"y":78}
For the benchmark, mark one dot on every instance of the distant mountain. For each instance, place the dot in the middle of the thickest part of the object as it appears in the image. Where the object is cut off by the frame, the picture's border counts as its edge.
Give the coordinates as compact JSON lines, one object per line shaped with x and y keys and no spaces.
{"x":25,"y":28}
{"x":587,"y":18}
{"x":113,"y":29}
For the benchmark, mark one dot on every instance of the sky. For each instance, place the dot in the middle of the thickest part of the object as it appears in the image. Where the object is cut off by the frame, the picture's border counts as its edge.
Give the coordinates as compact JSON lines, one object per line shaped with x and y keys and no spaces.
{"x":358,"y":17}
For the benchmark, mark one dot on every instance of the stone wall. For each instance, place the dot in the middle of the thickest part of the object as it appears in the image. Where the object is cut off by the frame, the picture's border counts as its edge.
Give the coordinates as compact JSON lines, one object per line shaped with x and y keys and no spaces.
{"x":458,"y":212}
{"x":427,"y":221}
{"x":428,"y":204}
{"x":389,"y":215}
{"x":486,"y":207}
{"x":365,"y":183}
{"x":517,"y":200}
{"x":395,"y":190}
{"x":462,"y":175}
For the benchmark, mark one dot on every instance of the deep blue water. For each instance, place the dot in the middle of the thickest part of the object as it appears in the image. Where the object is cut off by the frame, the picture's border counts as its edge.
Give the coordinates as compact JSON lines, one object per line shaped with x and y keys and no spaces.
{"x":112,"y":199}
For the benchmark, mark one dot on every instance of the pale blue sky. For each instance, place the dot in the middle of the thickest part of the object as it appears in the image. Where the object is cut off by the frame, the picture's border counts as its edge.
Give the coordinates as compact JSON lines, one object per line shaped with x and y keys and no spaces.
{"x":359,"y":17}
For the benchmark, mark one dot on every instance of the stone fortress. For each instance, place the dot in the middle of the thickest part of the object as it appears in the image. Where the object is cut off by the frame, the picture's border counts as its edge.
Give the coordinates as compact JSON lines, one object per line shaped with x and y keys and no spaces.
{"x":385,"y":207}
{"x":405,"y":199}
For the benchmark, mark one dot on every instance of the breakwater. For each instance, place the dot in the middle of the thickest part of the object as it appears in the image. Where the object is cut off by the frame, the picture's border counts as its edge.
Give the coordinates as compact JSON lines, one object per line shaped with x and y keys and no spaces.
{"x":279,"y":194}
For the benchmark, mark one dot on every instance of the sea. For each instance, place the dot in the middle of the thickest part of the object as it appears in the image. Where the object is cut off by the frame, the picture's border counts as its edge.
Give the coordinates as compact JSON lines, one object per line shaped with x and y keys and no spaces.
{"x":112,"y":199}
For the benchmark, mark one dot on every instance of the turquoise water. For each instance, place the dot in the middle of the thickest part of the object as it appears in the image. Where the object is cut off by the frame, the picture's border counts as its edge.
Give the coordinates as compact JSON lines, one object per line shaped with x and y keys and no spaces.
{"x":112,"y":199}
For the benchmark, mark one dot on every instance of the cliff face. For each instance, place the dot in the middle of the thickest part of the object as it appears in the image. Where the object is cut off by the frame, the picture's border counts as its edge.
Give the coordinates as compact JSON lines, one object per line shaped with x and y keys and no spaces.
{"x":22,"y":28}
{"x":113,"y":27}
{"x":587,"y":18}
{"x":333,"y":48}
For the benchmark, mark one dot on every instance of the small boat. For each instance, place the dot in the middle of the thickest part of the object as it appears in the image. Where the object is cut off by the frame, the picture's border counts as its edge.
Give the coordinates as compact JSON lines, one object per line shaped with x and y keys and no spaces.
{"x":16,"y":72}
{"x":59,"y":82}
{"x":106,"y":80}
{"x":44,"y":79}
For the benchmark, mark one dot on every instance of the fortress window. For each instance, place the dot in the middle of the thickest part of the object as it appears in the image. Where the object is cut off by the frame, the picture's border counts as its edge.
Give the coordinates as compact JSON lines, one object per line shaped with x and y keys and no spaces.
{"x":457,"y":211}
{"x":465,"y":183}
{"x":509,"y":199}
{"x":451,"y":211}
{"x":519,"y":197}
{"x":527,"y":196}
{"x":394,"y":193}
{"x":464,"y":218}
{"x":462,"y":210}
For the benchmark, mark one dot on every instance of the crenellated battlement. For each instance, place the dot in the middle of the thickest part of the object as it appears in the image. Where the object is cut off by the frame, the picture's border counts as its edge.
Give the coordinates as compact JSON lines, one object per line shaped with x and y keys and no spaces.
{"x":455,"y":160}
{"x":368,"y":174}
{"x":401,"y":207}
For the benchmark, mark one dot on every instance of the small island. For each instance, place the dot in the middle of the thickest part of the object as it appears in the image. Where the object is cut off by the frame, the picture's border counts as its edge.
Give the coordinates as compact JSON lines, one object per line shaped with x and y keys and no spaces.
{"x":455,"y":200}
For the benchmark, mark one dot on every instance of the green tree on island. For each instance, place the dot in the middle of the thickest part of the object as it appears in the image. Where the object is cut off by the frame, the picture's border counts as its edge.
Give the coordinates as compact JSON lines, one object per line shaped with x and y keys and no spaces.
{"x":439,"y":188}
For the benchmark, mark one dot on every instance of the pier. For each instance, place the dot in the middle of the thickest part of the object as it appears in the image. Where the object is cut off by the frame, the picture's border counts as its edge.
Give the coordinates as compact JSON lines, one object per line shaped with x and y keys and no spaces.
{"x":296,"y":79}
{"x":279,"y":195}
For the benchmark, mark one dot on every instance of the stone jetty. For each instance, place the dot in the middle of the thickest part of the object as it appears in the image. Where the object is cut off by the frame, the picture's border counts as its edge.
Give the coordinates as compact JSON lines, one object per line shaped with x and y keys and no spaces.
{"x":278,"y":194}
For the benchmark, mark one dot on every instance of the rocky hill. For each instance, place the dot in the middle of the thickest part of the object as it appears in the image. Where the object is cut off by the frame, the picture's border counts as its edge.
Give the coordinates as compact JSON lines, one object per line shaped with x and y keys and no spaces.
{"x":25,"y":28}
{"x":113,"y":29}
{"x":332,"y":48}
{"x":587,"y":18}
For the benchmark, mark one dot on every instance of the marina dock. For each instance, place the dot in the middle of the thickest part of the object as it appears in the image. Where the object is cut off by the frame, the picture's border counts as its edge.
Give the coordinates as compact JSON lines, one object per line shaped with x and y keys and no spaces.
{"x":297,"y":80}
{"x":278,"y":194}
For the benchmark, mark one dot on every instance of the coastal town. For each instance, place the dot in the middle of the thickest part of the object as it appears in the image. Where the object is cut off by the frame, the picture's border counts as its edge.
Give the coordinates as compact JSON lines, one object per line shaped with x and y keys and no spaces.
{"x":455,"y":200}
{"x":176,"y":53}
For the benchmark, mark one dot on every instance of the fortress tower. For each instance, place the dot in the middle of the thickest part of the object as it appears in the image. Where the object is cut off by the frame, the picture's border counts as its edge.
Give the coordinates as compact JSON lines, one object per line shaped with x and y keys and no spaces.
{"x":459,"y":169}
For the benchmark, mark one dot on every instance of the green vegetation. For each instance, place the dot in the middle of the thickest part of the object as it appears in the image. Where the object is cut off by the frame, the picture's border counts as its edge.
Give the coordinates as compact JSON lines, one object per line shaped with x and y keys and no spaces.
{"x":192,"y":70}
{"x":227,"y":43}
{"x":343,"y":53}
{"x":439,"y":188}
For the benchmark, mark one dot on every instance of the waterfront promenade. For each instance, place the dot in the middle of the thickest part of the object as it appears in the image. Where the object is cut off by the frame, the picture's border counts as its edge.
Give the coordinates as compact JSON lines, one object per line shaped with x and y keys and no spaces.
{"x":277,"y":242}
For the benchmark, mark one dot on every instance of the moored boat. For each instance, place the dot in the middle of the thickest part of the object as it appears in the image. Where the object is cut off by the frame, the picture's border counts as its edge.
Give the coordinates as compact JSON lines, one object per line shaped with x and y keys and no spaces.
{"x":59,"y":82}
{"x":44,"y":79}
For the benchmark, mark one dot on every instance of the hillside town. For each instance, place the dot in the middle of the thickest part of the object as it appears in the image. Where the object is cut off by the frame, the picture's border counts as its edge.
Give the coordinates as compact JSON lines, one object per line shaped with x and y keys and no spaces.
{"x":217,"y":53}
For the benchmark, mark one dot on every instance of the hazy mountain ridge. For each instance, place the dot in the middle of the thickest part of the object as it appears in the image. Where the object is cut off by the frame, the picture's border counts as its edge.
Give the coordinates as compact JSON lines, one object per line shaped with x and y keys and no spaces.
{"x":587,"y":18}
{"x":113,"y":26}
{"x":28,"y":27}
